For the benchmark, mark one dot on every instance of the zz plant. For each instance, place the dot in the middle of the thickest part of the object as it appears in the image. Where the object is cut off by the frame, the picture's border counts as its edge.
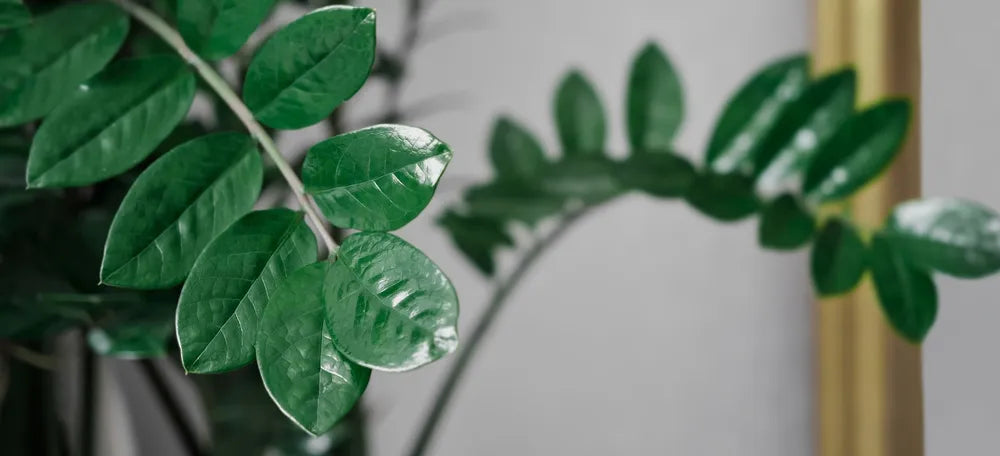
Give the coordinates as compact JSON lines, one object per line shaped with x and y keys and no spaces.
{"x":256,"y":287}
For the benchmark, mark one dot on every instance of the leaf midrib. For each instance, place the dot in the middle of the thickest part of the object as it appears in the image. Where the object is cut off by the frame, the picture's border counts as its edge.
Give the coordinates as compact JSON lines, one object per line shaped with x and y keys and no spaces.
{"x":364,"y":286}
{"x":369,"y":180}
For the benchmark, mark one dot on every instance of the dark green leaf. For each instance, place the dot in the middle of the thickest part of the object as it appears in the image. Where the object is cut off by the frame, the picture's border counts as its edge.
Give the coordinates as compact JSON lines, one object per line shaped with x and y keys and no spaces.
{"x":304,"y":71}
{"x":661,"y":174}
{"x":838,"y":258}
{"x":515,"y":152}
{"x":724,"y":197}
{"x":115,"y":121}
{"x":13,"y":14}
{"x":858,"y":152}
{"x":591,"y":180}
{"x":230,"y":284}
{"x":907,"y":294}
{"x":177,"y":206}
{"x":42,"y":64}
{"x":953,"y":236}
{"x":477,"y":237}
{"x":309,"y":380}
{"x":388,"y":306}
{"x":512,"y":200}
{"x":655,"y":101}
{"x":752,"y":112}
{"x":146,"y":339}
{"x":579,"y":117}
{"x":218,"y":28}
{"x":785,"y":224}
{"x":378,"y":178}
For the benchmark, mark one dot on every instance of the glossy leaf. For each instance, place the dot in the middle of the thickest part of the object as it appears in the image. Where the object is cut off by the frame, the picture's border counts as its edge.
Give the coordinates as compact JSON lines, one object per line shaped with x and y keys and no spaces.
{"x":177,"y":206}
{"x":305,"y":375}
{"x":907,"y":294}
{"x":752,"y":112}
{"x":953,"y":236}
{"x":785,"y":224}
{"x":116,"y":120}
{"x":218,"y":28}
{"x":724,"y":197}
{"x":838,"y":258}
{"x":13,"y":14}
{"x":661,"y":174}
{"x":307,"y":69}
{"x":477,"y":237}
{"x":507,"y":200}
{"x":514,"y":151}
{"x":579,"y":117}
{"x":781,"y":158}
{"x":591,"y":180}
{"x":858,"y":152}
{"x":388,"y":306}
{"x":231,"y":283}
{"x":42,"y":64}
{"x":655,"y":101}
{"x":378,"y":178}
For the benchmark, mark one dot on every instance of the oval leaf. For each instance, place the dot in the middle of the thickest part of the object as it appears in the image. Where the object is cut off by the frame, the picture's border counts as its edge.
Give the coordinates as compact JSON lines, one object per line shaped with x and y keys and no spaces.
{"x":661,"y":174}
{"x":388,"y":306}
{"x":218,"y":28}
{"x":305,"y":70}
{"x":953,"y":236}
{"x":231,"y":283}
{"x":591,"y":180}
{"x":785,"y":224}
{"x":752,"y":112}
{"x":655,"y":101}
{"x":477,"y":237}
{"x":378,"y":178}
{"x":505,"y":200}
{"x":177,"y":206}
{"x":907,"y":294}
{"x":838,"y":258}
{"x":724,"y":197}
{"x":13,"y":14}
{"x":859,"y":151}
{"x":514,"y":151}
{"x":579,"y":117}
{"x":42,"y":64}
{"x":117,"y":120}
{"x":304,"y":374}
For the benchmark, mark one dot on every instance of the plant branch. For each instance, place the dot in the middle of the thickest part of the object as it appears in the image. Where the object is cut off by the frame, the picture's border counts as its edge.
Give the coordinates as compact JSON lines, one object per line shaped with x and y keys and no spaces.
{"x":501,"y":292}
{"x":219,"y":85}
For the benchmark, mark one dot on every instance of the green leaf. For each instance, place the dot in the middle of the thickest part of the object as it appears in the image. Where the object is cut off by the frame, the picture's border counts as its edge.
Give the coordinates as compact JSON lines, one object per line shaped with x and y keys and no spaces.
{"x":655,"y":101}
{"x":785,"y":224}
{"x":116,"y":120}
{"x":305,"y":70}
{"x":305,"y":375}
{"x":724,"y":197}
{"x":781,"y":158}
{"x":838,"y":258}
{"x":379,"y":178}
{"x":218,"y":28}
{"x":13,"y":14}
{"x":907,"y":294}
{"x":514,"y":151}
{"x":177,"y":206}
{"x":859,"y":151}
{"x":752,"y":112}
{"x":388,"y":306}
{"x":662,"y":174}
{"x":591,"y":180}
{"x":231,"y":283}
{"x":477,"y":237}
{"x":579,"y":117}
{"x":131,"y":341}
{"x":513,"y":200}
{"x":957,"y":237}
{"x":42,"y":64}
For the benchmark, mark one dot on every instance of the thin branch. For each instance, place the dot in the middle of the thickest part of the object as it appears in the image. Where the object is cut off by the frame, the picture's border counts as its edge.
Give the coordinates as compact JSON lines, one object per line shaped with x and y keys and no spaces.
{"x":172,"y":406}
{"x":28,"y":356}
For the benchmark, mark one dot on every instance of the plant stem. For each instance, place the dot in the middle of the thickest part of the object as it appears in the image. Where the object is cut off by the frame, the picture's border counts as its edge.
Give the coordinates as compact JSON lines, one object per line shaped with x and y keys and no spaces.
{"x":174,"y":40}
{"x":501,"y":292}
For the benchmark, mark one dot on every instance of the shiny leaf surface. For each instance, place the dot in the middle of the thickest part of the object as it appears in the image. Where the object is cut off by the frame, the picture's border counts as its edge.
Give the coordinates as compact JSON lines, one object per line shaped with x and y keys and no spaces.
{"x":907,"y":294}
{"x":661,"y":174}
{"x":177,"y":206}
{"x":477,"y":237}
{"x":218,"y":28}
{"x":724,"y":197}
{"x":953,"y":236}
{"x":579,"y":117}
{"x":591,"y":180}
{"x":116,"y":120}
{"x":858,"y":152}
{"x":378,"y":178}
{"x":838,"y":258}
{"x":304,"y":374}
{"x":388,"y":306}
{"x":515,"y":152}
{"x":13,"y":14}
{"x":785,"y":224}
{"x":305,"y":70}
{"x":513,"y":200}
{"x":231,"y":283}
{"x":42,"y":64}
{"x":752,"y":112}
{"x":655,"y":101}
